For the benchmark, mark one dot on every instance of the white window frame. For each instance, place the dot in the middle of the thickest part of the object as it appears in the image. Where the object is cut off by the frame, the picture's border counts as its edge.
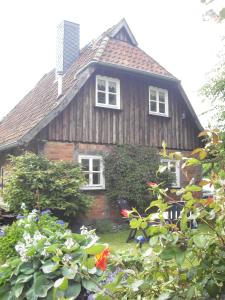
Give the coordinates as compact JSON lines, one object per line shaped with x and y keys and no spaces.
{"x":177,"y":172}
{"x":157,"y":90}
{"x":107,"y":105}
{"x":90,"y":185}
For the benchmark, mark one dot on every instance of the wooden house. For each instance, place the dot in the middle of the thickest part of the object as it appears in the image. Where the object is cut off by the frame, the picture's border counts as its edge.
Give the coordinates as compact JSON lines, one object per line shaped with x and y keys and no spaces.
{"x":110,"y":92}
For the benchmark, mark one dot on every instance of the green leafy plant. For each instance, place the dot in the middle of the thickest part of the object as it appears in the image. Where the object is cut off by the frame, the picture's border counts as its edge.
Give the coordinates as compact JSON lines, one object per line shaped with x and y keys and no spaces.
{"x":128,"y":169}
{"x":185,"y":259}
{"x":51,"y":262}
{"x":41,"y":183}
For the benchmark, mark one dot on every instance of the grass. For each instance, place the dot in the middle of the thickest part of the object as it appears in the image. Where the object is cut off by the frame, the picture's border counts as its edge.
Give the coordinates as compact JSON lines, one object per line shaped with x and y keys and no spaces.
{"x":117,"y":240}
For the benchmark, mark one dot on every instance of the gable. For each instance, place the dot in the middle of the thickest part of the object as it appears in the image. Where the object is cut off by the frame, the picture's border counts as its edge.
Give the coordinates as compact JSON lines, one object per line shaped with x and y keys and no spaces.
{"x":122,"y":35}
{"x":84,"y":122}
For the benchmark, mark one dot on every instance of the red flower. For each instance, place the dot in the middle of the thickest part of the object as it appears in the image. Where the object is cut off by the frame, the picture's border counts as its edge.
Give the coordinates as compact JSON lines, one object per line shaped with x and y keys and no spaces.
{"x":101,"y":259}
{"x":152,"y":184}
{"x":125,"y":213}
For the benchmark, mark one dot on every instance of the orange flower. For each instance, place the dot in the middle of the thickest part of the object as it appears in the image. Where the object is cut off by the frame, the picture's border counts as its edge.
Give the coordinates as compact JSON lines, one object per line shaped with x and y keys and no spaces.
{"x":209,"y":201}
{"x":101,"y":259}
{"x":152,"y":184}
{"x":125,"y":213}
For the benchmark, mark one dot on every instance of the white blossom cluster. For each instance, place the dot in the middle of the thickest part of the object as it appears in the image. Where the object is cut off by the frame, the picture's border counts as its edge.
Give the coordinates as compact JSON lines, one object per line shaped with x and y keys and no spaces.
{"x":90,"y":234}
{"x":31,"y":242}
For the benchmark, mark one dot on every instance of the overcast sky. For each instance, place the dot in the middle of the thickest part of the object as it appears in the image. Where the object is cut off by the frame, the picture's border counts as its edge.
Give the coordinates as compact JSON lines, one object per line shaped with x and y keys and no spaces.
{"x":171,"y":31}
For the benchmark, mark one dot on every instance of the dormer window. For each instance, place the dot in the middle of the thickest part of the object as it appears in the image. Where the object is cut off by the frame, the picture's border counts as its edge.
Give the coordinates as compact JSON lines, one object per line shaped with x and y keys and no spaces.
{"x":107,"y":92}
{"x":158,"y":101}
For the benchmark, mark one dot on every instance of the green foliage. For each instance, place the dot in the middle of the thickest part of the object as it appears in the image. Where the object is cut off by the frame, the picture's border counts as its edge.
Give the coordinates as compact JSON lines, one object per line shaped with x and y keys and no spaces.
{"x":181,"y":262}
{"x":128,"y":169}
{"x":41,"y":183}
{"x":103,"y":226}
{"x":13,"y":234}
{"x":51,"y":262}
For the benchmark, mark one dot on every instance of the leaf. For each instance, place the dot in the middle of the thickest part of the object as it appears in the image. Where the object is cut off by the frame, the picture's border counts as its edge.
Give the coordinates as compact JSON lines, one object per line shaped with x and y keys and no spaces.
{"x":202,"y":240}
{"x":164,"y":296}
{"x":61,"y":283}
{"x":18,"y":289}
{"x":73,"y":290}
{"x":70,"y":272}
{"x":95,"y":249}
{"x":23,"y":278}
{"x":41,"y":285}
{"x":193,"y":188}
{"x":134,"y":223}
{"x":90,"y":285}
{"x":27,"y":268}
{"x":144,"y":225}
{"x":49,"y":267}
{"x":168,"y":254}
{"x":89,"y":263}
{"x":103,"y":297}
{"x":204,"y":182}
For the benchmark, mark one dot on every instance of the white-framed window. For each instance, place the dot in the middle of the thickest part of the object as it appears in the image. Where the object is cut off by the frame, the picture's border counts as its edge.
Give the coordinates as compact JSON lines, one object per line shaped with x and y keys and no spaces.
{"x":92,"y":166}
{"x":107,"y":92}
{"x":158,"y":101}
{"x":174,"y":167}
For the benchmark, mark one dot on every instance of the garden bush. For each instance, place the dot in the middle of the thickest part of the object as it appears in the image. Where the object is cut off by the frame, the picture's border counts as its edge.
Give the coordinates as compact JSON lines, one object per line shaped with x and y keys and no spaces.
{"x":128,"y":169}
{"x":51,"y":262}
{"x":41,"y":183}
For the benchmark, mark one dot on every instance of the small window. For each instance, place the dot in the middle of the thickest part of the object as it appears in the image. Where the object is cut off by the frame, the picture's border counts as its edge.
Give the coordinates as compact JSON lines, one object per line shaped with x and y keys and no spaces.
{"x":174,"y":167}
{"x":92,"y":167}
{"x":107,"y":92}
{"x":158,"y":101}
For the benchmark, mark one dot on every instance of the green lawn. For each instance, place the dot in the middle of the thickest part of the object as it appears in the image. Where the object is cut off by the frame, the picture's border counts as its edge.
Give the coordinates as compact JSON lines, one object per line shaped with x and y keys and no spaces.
{"x":117,"y":240}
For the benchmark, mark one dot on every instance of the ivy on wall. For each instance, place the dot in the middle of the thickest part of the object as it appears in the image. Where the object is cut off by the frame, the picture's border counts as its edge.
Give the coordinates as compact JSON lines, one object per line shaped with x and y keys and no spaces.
{"x":128,"y":169}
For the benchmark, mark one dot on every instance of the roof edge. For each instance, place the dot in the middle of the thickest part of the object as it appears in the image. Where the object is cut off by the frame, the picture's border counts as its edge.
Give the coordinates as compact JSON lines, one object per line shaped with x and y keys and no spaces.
{"x":64,"y":101}
{"x":9,"y":146}
{"x":135,"y":70}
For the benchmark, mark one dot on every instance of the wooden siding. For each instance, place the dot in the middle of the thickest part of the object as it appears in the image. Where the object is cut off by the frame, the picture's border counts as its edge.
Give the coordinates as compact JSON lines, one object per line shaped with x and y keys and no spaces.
{"x":83,"y":122}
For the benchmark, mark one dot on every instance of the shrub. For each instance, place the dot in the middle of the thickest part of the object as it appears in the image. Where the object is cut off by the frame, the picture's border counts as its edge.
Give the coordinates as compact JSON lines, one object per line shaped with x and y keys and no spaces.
{"x":52,"y":262}
{"x":128,"y":169}
{"x":41,"y":183}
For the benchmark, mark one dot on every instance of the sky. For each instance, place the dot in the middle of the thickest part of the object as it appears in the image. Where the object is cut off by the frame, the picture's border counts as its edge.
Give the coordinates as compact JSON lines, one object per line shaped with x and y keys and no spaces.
{"x":171,"y":31}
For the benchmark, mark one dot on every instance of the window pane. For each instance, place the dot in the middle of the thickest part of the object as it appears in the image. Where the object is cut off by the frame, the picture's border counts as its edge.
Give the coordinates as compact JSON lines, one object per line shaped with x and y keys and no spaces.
{"x":152,"y":95}
{"x":153,"y":106}
{"x":96,"y":164}
{"x":112,"y":87}
{"x":162,"y":97}
{"x":112,"y":99}
{"x":87,"y":175}
{"x":85,"y":164}
{"x":101,"y":85}
{"x":96,"y":178}
{"x":101,"y":97}
{"x":173,"y":167}
{"x":162,"y":108}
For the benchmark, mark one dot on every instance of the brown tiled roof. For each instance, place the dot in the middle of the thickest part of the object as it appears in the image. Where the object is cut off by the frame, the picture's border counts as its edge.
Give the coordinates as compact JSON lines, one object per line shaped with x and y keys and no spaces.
{"x":42,"y":99}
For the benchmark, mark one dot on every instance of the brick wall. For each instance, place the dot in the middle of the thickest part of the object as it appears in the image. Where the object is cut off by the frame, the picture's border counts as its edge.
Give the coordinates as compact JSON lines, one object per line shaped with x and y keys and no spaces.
{"x":59,"y":151}
{"x":101,"y":209}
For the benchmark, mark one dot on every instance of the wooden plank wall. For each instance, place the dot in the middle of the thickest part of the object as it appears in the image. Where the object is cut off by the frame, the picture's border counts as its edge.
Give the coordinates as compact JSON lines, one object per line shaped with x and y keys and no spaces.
{"x":81,"y":121}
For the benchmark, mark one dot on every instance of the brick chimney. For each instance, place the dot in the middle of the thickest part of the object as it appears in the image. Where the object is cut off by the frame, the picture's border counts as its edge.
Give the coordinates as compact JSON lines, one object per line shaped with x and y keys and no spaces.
{"x":67,"y":48}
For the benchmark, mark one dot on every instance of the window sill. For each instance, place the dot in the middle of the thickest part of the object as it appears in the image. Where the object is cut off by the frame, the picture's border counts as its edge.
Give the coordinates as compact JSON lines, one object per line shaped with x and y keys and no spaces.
{"x":108,"y":107}
{"x":92,"y":188}
{"x":159,"y":115}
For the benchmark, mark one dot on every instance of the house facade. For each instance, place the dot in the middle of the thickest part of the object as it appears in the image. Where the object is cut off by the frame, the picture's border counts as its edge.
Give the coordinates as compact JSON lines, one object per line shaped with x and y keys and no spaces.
{"x":108,"y":93}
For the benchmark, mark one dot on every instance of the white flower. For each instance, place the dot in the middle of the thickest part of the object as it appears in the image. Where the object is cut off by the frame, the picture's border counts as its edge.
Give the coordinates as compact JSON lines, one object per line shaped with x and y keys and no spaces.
{"x":67,"y":258}
{"x":23,"y":206}
{"x":38,"y":236}
{"x":69,"y":243}
{"x":21,"y":249}
{"x":27,"y":238}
